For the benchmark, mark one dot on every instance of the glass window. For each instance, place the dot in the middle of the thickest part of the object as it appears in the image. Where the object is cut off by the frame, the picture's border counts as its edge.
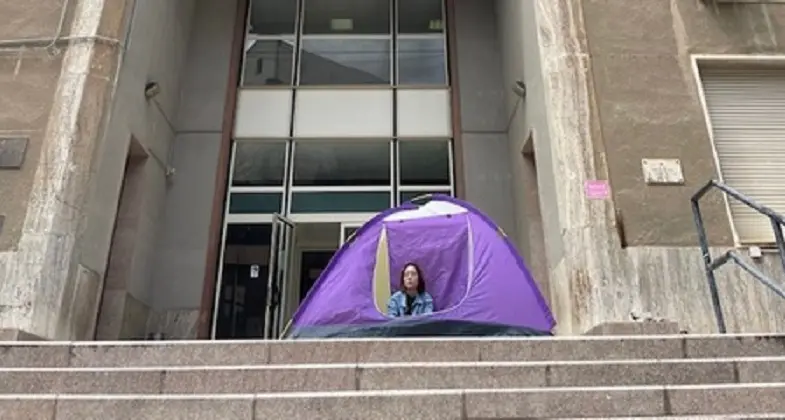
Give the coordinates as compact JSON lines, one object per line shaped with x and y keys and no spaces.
{"x":259,"y":164}
{"x":250,"y":203}
{"x":268,"y":62}
{"x":420,"y":16}
{"x":424,"y":162}
{"x":406,"y":196}
{"x":322,"y":163}
{"x":422,"y":61}
{"x":347,"y":17}
{"x":340,"y":202}
{"x":272,"y":17}
{"x":345,"y":61}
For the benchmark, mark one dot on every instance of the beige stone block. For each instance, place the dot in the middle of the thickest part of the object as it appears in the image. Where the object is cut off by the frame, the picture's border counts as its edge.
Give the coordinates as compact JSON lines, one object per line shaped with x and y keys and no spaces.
{"x":451,"y":377}
{"x":550,"y":403}
{"x":635,"y":328}
{"x":326,"y":351}
{"x":80,"y":382}
{"x":614,"y":26}
{"x":761,"y":371}
{"x":27,"y":409}
{"x":650,"y":372}
{"x":730,"y":399}
{"x":444,"y":350}
{"x":734,"y":346}
{"x":27,"y":355}
{"x":169,"y":354}
{"x":388,"y":406}
{"x":27,"y":20}
{"x":259,"y":380}
{"x":153,"y":408}
{"x":581,"y":349}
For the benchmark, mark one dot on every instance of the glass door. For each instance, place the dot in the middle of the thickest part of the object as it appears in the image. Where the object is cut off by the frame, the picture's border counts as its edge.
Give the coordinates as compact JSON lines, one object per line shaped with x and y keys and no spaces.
{"x":281,"y":251}
{"x":348,"y":230}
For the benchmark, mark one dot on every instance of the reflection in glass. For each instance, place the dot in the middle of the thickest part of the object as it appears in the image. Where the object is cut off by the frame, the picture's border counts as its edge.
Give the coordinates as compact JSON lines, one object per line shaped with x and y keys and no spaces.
{"x":422,"y":61}
{"x":424,"y":162}
{"x":272,"y":17}
{"x":406,"y":196}
{"x":342,"y":163}
{"x":340,"y":202}
{"x":347,"y":17}
{"x":259,"y":164}
{"x":337,"y":61}
{"x":268,"y":62}
{"x":420,"y":16}
{"x":253,"y":203}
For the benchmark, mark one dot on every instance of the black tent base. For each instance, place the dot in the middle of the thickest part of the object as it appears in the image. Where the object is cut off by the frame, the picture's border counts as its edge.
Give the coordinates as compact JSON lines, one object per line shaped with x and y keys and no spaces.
{"x":416,"y":328}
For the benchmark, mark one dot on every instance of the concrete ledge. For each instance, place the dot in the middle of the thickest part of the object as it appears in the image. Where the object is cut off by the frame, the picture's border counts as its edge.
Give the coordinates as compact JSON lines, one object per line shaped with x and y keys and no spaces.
{"x":636,"y":328}
{"x":235,"y":353}
{"x":10,"y":334}
{"x":458,"y":404}
{"x":389,"y":376}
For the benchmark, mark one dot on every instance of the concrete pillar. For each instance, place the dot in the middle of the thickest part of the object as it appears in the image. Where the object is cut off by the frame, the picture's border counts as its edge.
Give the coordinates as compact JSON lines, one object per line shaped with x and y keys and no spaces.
{"x":586,"y":265}
{"x":44,"y":290}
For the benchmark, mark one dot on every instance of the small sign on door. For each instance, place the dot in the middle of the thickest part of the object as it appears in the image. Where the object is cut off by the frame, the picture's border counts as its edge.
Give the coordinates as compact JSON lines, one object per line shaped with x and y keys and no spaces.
{"x":255,"y":271}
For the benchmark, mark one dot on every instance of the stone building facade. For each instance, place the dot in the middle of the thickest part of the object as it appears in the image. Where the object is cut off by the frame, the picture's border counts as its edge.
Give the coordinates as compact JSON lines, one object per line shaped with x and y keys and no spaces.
{"x":122,"y":124}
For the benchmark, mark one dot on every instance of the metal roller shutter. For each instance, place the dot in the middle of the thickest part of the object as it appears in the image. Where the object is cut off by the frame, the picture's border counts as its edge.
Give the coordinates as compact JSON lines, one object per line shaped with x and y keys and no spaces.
{"x":747,"y":113}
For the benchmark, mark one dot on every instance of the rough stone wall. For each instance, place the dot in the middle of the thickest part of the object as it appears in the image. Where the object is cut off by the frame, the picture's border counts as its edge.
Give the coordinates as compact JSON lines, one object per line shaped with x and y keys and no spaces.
{"x":57,"y":77}
{"x":617,"y":88}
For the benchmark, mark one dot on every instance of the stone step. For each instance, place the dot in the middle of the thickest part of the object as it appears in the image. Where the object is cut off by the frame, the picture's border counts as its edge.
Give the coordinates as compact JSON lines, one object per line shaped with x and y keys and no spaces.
{"x":388,"y":376}
{"x":204,"y":353}
{"x":600,"y":402}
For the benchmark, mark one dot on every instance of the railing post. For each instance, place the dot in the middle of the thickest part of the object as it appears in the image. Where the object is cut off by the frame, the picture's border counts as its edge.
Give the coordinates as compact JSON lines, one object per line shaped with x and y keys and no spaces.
{"x":778,"y":237}
{"x":706,"y":255}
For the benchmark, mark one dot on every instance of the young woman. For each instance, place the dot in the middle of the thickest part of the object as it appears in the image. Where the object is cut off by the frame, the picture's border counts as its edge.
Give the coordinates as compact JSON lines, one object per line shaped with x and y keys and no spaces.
{"x":411,"y":299}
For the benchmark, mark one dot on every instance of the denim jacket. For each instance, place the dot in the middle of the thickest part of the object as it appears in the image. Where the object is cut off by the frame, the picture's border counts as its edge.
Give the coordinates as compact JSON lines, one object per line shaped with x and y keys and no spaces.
{"x":422,"y":305}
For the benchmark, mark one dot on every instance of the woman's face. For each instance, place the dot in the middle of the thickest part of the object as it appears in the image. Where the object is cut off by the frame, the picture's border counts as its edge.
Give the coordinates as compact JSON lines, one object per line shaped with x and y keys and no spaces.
{"x":410,"y":278}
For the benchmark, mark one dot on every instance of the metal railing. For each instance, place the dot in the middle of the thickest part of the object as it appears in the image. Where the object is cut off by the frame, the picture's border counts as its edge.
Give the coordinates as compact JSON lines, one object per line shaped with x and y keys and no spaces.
{"x":712,"y":264}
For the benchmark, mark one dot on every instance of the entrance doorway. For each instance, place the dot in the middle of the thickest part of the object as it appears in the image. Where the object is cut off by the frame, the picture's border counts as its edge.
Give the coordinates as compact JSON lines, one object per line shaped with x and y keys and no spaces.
{"x":252,"y":279}
{"x":312,"y":264}
{"x":268,"y":267}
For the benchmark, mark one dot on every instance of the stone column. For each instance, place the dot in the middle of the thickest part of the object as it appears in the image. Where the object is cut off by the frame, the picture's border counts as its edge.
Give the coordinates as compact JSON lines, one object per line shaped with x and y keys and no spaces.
{"x":584,"y":276}
{"x":43,"y":289}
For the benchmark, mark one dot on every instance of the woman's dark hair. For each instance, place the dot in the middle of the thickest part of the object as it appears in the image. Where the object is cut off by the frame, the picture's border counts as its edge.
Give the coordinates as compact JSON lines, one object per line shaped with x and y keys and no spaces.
{"x":420,"y":279}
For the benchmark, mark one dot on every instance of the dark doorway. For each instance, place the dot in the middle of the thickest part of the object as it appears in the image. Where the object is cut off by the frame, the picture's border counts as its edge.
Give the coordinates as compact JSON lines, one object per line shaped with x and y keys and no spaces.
{"x":242,"y":307}
{"x":312,"y":264}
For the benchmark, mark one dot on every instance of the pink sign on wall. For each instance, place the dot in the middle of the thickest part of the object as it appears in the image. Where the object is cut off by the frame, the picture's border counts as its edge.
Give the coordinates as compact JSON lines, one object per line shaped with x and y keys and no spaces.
{"x":597,"y":189}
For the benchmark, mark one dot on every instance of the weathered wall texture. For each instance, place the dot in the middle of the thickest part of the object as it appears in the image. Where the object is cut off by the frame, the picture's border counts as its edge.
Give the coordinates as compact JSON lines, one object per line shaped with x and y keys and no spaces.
{"x":609,"y":85}
{"x":178,"y":277}
{"x":56,"y":96}
{"x":158,"y":35}
{"x":483,"y":128}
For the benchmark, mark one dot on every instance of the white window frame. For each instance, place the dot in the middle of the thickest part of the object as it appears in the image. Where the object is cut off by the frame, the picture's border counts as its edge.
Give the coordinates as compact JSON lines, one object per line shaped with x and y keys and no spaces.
{"x":348,"y":225}
{"x":698,"y":60}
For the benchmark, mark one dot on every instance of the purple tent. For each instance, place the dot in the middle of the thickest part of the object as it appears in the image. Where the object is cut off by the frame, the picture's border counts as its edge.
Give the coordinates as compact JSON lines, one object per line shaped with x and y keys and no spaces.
{"x":479,"y":283}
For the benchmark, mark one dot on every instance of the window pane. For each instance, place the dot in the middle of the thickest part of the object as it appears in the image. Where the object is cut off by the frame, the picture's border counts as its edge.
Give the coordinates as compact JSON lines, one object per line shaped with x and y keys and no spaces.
{"x":272,"y":17}
{"x":342,"y":163}
{"x":268,"y":62}
{"x":339,"y":61}
{"x":347,"y":17}
{"x":249,"y":203}
{"x":422,"y":61}
{"x":420,"y":16}
{"x":406,"y":196}
{"x":344,"y":113}
{"x":424,"y":162}
{"x":340,"y":202}
{"x":259,"y":163}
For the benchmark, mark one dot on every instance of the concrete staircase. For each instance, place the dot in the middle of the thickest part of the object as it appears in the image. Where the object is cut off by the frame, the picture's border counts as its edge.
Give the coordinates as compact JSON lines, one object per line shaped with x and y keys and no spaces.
{"x":674,"y":376}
